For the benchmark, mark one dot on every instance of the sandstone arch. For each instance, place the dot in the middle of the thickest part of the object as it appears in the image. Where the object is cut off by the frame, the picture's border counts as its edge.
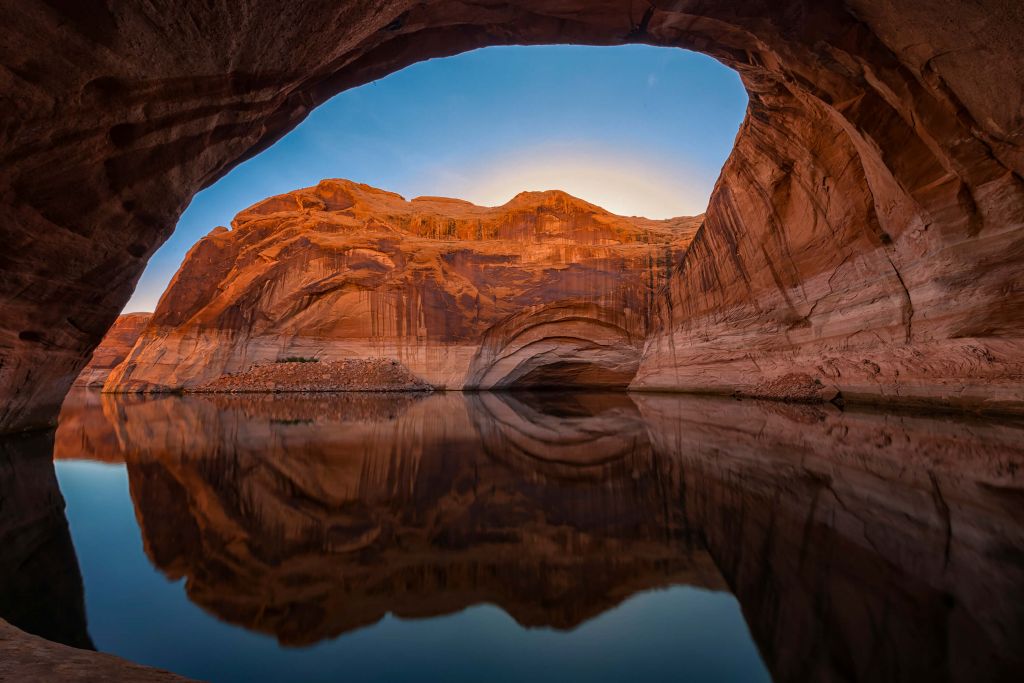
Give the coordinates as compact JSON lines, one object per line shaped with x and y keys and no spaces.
{"x":564,"y":344}
{"x":866,"y":229}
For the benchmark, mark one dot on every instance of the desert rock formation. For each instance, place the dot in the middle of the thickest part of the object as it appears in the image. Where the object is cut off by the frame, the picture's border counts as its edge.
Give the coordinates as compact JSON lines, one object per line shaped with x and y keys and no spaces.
{"x":546,"y":289}
{"x":869,"y":221}
{"x":116,"y":344}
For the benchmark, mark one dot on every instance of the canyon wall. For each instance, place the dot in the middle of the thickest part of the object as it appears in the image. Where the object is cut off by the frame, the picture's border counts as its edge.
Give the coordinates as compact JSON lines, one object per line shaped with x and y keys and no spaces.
{"x":860,"y":240}
{"x":866,"y":232}
{"x":116,"y":344}
{"x":545,"y":289}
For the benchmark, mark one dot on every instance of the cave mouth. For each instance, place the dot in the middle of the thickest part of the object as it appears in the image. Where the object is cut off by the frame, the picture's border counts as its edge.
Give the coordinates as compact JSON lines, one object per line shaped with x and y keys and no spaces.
{"x":563,"y":375}
{"x":421,"y":234}
{"x":865,"y":231}
{"x":446,"y":128}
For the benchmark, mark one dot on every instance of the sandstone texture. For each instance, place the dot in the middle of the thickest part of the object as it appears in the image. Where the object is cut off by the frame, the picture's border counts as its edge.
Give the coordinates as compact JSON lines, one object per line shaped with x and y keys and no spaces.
{"x":544,"y":290}
{"x":24,"y":657}
{"x":870,"y":216}
{"x":116,"y":344}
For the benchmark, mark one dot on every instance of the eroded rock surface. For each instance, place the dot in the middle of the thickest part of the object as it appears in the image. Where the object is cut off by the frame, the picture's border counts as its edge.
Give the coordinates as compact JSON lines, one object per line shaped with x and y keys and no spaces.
{"x":25,"y":657}
{"x":116,"y":344}
{"x":377,"y":375}
{"x":869,"y":217}
{"x":461,"y":295}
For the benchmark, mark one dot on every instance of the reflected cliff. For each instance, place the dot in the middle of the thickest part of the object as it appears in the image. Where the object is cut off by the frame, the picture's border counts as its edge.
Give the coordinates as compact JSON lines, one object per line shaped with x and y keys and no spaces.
{"x":861,"y":546}
{"x":305,"y":518}
{"x":40,"y":583}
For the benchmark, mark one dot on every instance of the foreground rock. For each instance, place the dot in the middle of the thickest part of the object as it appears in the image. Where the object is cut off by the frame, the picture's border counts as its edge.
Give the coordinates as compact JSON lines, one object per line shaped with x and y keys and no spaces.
{"x":344,"y":375}
{"x":113,"y":349}
{"x":544,"y":290}
{"x":24,"y":657}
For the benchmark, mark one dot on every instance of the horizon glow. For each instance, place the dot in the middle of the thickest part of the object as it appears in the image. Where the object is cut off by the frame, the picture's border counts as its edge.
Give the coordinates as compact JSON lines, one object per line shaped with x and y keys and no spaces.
{"x":637,"y":130}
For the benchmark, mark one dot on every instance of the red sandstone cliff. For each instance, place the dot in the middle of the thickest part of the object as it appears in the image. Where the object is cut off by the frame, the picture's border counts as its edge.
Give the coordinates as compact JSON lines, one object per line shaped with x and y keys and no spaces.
{"x":875,"y":194}
{"x":544,"y":289}
{"x":113,"y":349}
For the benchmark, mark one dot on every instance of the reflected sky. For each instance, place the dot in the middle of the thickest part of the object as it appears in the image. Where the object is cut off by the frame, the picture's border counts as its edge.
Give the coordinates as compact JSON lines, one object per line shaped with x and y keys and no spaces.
{"x":679,"y":633}
{"x":508,"y":536}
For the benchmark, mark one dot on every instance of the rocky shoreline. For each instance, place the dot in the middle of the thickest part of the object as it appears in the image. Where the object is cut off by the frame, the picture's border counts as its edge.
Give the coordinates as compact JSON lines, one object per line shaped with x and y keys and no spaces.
{"x":311,"y":375}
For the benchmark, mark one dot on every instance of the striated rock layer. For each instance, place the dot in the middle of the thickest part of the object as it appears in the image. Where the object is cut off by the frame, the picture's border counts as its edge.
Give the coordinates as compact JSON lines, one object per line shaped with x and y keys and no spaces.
{"x":868,"y":229}
{"x":544,"y":290}
{"x":117,"y":343}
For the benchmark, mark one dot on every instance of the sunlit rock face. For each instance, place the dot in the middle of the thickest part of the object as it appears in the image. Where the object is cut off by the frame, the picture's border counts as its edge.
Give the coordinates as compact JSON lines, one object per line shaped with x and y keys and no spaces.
{"x":866,"y":231}
{"x":861,"y":546}
{"x":116,"y":344}
{"x":344,"y":270}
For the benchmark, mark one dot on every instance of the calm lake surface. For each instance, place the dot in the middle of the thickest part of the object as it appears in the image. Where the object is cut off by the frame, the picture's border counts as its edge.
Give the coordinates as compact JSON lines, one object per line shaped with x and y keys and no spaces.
{"x":510,"y":537}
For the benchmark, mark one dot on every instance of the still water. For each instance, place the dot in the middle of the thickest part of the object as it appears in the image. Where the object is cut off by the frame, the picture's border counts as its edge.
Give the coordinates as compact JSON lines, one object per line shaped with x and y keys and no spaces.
{"x":511,"y":537}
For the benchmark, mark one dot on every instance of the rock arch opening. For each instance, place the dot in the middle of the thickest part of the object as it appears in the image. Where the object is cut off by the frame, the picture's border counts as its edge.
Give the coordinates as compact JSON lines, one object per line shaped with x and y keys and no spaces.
{"x":866,"y":230}
{"x":550,"y":258}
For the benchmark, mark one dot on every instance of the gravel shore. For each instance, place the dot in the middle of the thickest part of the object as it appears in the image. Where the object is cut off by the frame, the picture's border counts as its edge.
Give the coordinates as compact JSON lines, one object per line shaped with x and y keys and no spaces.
{"x":352,"y":374}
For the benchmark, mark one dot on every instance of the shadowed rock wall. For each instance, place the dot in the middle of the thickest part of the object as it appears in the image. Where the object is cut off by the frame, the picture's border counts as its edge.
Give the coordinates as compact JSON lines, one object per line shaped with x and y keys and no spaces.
{"x":866,"y":231}
{"x":40,"y":583}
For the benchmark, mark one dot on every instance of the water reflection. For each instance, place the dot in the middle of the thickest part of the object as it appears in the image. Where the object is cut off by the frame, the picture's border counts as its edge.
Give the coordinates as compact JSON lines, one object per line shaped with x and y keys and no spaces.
{"x":862,"y":546}
{"x":306,"y":519}
{"x":40,"y":584}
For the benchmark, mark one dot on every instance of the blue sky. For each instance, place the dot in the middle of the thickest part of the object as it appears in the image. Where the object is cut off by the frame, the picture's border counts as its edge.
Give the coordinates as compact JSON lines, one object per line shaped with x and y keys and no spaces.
{"x":638,"y":130}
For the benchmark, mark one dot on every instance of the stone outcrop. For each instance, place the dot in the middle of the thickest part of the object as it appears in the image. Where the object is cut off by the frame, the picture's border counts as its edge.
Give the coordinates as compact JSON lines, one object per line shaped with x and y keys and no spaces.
{"x":869,"y":217}
{"x":26,"y":657}
{"x":544,"y":290}
{"x":116,"y":344}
